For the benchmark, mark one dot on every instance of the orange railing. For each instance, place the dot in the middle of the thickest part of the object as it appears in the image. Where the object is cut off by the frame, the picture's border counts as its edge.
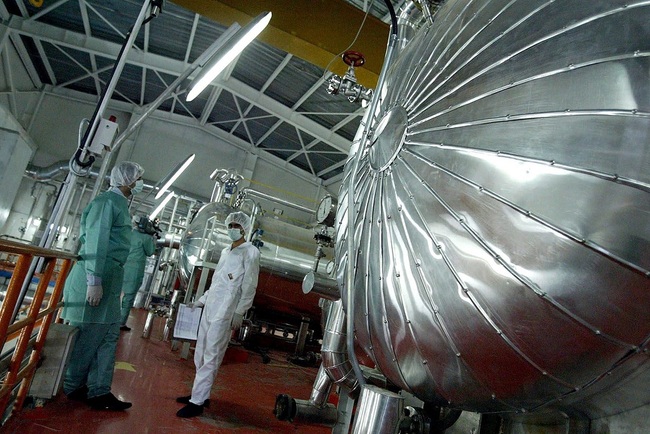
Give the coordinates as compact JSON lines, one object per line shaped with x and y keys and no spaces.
{"x":56,"y":265}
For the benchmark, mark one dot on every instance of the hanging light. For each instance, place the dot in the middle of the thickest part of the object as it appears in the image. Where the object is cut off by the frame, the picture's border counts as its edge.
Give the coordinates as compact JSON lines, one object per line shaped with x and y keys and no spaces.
{"x":174,"y":175}
{"x":162,"y":205}
{"x":227,"y":53}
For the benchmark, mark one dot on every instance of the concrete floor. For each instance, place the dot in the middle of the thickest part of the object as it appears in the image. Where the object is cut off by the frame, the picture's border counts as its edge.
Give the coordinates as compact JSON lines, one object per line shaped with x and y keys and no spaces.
{"x":151,"y":376}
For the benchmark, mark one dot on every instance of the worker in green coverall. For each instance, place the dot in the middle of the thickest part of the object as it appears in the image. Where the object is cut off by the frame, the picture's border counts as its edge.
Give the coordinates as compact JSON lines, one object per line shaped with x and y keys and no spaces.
{"x":142,"y":245}
{"x":92,"y":290}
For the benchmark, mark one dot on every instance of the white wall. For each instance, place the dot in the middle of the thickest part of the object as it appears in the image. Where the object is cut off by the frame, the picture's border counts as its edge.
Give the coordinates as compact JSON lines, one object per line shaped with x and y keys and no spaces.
{"x":15,"y":153}
{"x":159,"y":144}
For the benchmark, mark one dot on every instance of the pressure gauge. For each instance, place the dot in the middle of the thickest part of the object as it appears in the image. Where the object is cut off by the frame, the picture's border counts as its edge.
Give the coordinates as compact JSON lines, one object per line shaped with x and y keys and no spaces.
{"x":326,"y":212}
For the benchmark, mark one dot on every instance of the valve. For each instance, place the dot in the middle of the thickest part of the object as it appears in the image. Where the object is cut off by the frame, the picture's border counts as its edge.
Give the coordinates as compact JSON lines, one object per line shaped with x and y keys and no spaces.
{"x":347,"y":85}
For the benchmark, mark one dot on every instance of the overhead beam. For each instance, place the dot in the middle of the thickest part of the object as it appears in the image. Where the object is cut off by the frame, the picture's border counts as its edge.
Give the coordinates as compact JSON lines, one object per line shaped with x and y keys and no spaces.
{"x":77,"y":41}
{"x":313,"y":30}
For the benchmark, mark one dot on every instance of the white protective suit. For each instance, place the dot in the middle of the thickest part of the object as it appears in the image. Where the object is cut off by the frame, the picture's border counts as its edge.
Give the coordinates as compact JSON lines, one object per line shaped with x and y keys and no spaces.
{"x":232,"y":291}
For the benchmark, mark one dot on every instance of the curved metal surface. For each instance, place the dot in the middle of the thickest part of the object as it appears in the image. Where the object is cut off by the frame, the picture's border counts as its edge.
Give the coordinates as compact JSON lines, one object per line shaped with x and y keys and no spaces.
{"x":502,"y":209}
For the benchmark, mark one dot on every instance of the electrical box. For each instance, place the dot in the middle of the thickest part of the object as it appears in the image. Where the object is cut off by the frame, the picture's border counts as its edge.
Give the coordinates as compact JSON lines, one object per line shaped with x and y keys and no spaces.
{"x":48,"y":377}
{"x":104,"y":136}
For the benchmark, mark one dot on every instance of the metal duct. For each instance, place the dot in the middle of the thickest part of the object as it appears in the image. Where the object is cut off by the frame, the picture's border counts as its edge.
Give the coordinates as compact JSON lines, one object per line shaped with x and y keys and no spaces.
{"x":334,"y":349}
{"x":379,"y":411}
{"x":502,"y":229}
{"x":62,"y":167}
{"x":408,"y":23}
{"x":49,"y":172}
{"x":286,"y":249}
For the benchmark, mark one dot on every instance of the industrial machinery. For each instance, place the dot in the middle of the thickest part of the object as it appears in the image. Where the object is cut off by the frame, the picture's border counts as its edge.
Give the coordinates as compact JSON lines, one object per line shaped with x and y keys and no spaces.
{"x":496,"y":206}
{"x":288,"y":252}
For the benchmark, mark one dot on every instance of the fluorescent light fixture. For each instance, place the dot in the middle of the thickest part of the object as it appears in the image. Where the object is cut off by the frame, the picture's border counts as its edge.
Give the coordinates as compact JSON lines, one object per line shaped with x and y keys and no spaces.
{"x":178,"y":170}
{"x":227,"y":54}
{"x":161,"y":206}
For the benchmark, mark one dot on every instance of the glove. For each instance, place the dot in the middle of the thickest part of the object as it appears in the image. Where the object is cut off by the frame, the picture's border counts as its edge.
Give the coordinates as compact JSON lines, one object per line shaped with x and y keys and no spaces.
{"x":94,"y":294}
{"x":237,"y":319}
{"x":194,"y":304}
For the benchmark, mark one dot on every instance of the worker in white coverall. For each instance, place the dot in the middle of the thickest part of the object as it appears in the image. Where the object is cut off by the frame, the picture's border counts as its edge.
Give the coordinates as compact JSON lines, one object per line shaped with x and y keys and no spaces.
{"x":230,"y":295}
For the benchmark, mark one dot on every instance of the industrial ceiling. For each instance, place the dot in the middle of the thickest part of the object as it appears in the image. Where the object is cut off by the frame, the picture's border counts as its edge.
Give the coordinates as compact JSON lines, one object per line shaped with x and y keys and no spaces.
{"x":274,"y":97}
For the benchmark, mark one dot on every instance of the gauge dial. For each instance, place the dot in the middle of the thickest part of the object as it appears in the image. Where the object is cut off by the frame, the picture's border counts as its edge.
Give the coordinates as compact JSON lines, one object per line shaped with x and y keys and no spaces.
{"x":326,"y":211}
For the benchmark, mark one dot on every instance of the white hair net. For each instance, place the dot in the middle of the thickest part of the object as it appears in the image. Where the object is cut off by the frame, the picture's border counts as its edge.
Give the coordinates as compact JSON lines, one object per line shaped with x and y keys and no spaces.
{"x":242,"y":219}
{"x":125,"y":173}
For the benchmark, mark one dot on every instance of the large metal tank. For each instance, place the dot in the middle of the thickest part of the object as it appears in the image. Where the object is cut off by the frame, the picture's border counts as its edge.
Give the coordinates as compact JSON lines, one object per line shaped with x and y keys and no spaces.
{"x":286,"y":255}
{"x":502,"y":209}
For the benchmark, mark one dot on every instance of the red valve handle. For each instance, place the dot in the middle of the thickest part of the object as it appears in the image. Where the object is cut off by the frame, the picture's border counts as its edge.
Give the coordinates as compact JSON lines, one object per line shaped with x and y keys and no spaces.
{"x":353,"y":58}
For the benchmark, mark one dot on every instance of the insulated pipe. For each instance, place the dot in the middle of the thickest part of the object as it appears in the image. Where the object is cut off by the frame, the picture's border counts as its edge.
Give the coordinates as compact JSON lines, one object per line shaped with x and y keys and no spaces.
{"x":259,"y":194}
{"x":300,"y":411}
{"x":48,"y":173}
{"x":333,"y":351}
{"x":408,"y":23}
{"x":364,"y":138}
{"x":378,"y":412}
{"x":321,"y":389}
{"x":315,"y":283}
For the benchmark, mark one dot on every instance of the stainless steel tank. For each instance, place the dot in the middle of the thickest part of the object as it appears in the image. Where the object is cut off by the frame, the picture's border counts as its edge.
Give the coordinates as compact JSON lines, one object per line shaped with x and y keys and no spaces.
{"x":502,"y":209}
{"x":287,"y":253}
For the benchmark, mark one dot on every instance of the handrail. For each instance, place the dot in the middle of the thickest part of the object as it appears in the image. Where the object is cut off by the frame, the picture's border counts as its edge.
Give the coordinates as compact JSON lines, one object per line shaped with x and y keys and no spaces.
{"x":36,"y":314}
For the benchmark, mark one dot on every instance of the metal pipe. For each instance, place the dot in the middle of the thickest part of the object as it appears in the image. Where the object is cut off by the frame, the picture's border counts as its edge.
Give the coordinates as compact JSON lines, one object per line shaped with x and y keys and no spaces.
{"x":50,"y":172}
{"x":259,"y":194}
{"x":300,"y":411}
{"x":408,"y":23}
{"x":335,"y":357}
{"x":301,"y":338}
{"x":379,"y":411}
{"x":317,"y":284}
{"x":321,"y":389}
{"x":146,"y":331}
{"x":46,"y":173}
{"x":110,"y":87}
{"x":369,"y":118}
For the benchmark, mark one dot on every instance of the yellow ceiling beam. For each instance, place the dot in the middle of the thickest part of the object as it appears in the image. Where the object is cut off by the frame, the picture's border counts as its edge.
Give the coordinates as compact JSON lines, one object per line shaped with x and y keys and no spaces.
{"x":313,"y":30}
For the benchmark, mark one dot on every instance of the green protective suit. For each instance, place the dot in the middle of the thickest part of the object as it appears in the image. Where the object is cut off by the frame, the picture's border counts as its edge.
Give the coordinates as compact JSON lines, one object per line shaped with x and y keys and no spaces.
{"x":142,"y":245}
{"x":105,"y":242}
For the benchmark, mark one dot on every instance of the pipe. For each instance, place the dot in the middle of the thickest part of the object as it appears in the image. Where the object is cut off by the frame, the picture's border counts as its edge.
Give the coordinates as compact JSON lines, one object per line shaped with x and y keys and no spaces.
{"x":408,"y":23}
{"x":315,"y":283}
{"x":429,"y":8}
{"x":335,"y":357}
{"x":368,"y":117}
{"x":314,"y":411}
{"x":300,"y":411}
{"x":378,"y":411}
{"x":321,"y":389}
{"x":108,"y":90}
{"x":259,"y":194}
{"x":48,"y":173}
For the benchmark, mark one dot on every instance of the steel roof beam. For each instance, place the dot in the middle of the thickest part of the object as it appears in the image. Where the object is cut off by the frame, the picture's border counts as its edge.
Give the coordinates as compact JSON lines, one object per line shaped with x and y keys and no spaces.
{"x":174,"y":67}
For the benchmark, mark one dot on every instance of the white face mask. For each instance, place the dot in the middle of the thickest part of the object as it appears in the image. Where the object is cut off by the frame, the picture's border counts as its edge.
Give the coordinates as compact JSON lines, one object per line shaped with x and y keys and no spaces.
{"x":234,"y":234}
{"x":139,"y":185}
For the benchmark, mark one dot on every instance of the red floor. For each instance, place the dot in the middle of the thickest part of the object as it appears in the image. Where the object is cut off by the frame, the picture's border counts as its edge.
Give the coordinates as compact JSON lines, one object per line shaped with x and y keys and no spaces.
{"x":151,"y":376}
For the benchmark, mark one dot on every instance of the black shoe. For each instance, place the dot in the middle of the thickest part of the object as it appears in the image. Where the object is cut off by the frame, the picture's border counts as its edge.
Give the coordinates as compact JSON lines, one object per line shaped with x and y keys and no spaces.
{"x":125,"y":328}
{"x":79,"y":394}
{"x":107,"y":401}
{"x":190,"y":410}
{"x":186,"y":400}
